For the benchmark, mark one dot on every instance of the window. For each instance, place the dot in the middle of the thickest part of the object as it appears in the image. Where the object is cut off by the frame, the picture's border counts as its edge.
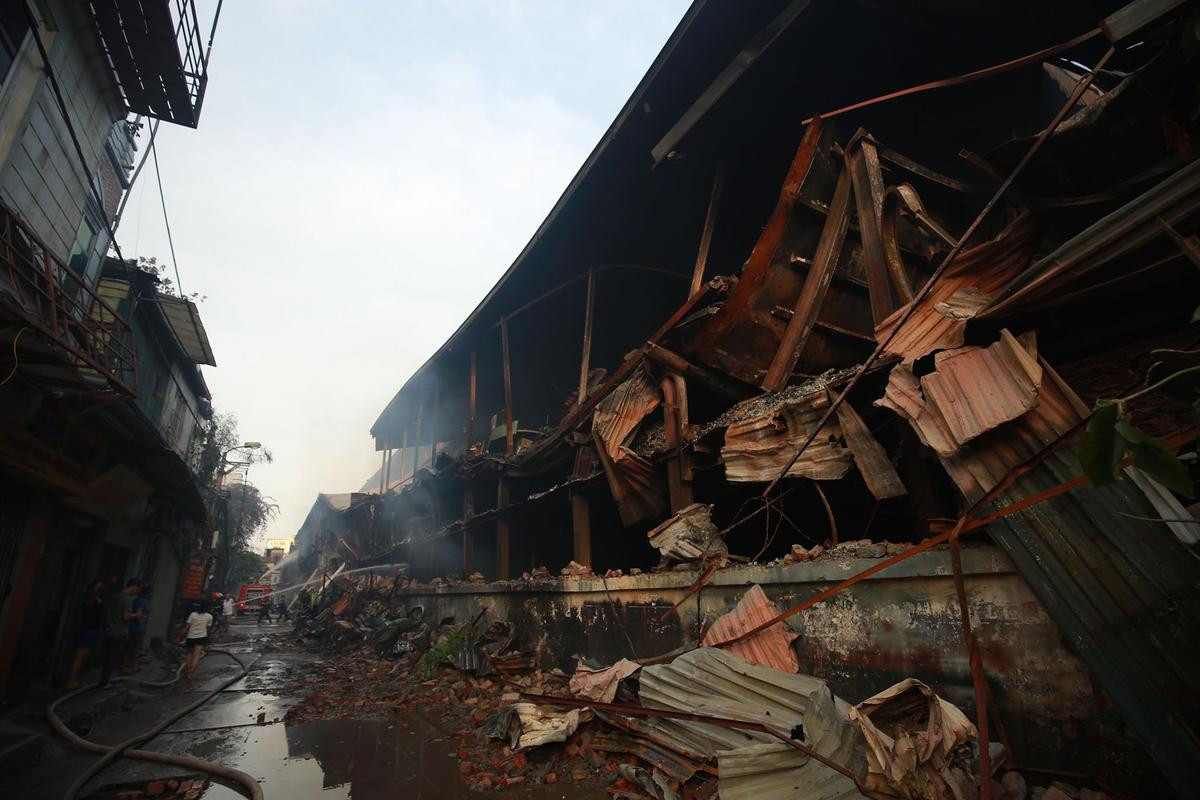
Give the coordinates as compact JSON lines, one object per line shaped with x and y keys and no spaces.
{"x":13,"y":27}
{"x":81,"y":251}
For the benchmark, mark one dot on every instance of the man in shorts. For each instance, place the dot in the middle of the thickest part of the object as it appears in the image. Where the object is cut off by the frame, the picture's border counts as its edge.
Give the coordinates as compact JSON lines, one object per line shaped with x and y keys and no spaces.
{"x":194,"y":634}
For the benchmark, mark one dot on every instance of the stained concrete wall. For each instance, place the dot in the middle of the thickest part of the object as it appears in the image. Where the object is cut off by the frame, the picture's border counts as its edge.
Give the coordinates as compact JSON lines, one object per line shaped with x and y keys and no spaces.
{"x":899,"y":623}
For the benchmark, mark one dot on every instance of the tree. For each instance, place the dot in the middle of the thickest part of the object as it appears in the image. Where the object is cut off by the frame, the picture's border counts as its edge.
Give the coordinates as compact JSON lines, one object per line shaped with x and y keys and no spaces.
{"x":245,"y":567}
{"x":248,"y":511}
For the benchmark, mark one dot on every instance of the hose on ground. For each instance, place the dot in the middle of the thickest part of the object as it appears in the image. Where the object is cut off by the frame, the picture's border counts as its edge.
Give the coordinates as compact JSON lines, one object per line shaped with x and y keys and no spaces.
{"x":111,"y":753}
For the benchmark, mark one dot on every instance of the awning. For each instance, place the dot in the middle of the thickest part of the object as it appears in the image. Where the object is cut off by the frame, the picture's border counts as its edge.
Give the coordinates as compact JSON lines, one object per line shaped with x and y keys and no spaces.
{"x":184,"y":319}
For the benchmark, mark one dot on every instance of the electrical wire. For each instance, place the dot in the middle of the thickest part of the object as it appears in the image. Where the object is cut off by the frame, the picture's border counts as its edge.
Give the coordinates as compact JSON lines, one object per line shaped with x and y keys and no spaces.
{"x":16,"y":361}
{"x":133,"y":179}
{"x":166,"y":220}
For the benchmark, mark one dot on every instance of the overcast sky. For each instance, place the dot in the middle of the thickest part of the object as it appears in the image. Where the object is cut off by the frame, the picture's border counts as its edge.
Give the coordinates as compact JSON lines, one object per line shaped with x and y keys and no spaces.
{"x":363,"y":173}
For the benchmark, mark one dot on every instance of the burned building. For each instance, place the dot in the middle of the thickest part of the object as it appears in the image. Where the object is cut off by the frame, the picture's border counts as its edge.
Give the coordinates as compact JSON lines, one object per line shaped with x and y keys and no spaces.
{"x":840,"y":285}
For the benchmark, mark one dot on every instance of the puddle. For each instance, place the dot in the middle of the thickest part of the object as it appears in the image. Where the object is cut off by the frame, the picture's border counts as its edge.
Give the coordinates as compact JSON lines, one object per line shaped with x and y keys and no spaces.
{"x":365,"y":760}
{"x":240,"y":708}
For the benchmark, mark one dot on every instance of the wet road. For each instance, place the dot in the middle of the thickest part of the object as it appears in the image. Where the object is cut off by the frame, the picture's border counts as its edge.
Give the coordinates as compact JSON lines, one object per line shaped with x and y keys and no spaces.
{"x":363,"y":759}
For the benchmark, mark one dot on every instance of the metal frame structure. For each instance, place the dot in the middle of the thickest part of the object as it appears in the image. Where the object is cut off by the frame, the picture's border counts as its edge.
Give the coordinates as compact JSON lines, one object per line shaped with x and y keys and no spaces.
{"x":157,"y":53}
{"x":50,"y":297}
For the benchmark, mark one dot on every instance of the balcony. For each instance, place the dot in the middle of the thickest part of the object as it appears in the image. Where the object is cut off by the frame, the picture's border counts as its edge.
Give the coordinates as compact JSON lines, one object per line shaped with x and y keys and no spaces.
{"x":84,"y":344}
{"x":157,"y":55}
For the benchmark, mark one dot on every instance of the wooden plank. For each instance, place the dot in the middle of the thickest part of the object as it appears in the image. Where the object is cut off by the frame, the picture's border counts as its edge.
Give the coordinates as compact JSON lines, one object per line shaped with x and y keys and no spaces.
{"x":585,"y":358}
{"x":868,"y":200}
{"x":502,"y":531}
{"x":581,"y":528}
{"x":870,"y":457}
{"x":816,"y":285}
{"x":706,"y":234}
{"x":508,"y":409}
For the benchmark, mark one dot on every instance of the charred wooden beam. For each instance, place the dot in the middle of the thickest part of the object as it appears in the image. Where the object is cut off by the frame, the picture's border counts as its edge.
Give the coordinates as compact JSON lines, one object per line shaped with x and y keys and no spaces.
{"x":585,"y":357}
{"x":508,"y":409}
{"x":710,"y":218}
{"x":709,"y":378}
{"x":816,"y":285}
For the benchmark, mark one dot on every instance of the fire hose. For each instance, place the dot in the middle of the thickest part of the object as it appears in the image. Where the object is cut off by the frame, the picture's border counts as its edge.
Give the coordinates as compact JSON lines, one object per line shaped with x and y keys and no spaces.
{"x":112,"y":753}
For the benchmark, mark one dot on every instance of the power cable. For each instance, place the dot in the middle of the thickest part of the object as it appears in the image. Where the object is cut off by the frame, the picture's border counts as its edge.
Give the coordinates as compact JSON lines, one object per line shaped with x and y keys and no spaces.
{"x":166,"y":220}
{"x":16,"y":361}
{"x":133,"y":179}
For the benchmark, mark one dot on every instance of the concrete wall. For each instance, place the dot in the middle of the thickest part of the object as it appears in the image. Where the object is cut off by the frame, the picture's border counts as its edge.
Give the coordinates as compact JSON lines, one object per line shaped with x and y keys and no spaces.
{"x":902,"y":622}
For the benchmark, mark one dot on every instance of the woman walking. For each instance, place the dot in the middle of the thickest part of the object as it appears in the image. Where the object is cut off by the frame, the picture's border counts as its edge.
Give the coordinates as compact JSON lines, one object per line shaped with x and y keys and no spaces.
{"x":195,"y":629}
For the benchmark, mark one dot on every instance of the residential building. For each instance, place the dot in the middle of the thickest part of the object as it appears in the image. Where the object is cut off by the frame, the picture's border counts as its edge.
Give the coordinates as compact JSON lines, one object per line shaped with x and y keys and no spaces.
{"x":103,"y":402}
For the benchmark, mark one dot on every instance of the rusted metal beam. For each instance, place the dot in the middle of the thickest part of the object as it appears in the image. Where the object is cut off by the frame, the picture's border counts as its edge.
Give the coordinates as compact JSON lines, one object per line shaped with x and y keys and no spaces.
{"x":586,"y":355}
{"x":508,"y":409}
{"x":579,"y":412}
{"x":581,"y":528}
{"x":675,"y":424}
{"x":816,"y":285}
{"x":1189,"y":245}
{"x":710,"y":218}
{"x":383,"y":469}
{"x":416,"y":459}
{"x":758,"y":265}
{"x":472,"y":379}
{"x":911,"y":308}
{"x":502,"y":530}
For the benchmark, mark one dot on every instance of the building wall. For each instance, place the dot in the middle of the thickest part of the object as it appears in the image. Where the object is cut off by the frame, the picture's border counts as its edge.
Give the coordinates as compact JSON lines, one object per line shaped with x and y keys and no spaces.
{"x":903,"y":622}
{"x":41,"y":176}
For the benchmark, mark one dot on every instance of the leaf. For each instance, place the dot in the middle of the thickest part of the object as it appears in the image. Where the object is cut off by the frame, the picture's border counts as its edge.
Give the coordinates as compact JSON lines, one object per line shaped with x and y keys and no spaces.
{"x":1155,"y":457}
{"x":1101,"y":449}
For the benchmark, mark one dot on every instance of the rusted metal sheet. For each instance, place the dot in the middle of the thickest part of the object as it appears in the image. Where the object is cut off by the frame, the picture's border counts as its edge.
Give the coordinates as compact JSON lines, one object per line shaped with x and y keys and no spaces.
{"x":984,"y":268}
{"x":869,"y":456}
{"x":971,"y":391}
{"x":635,"y":483}
{"x":675,"y":425}
{"x":600,"y":684}
{"x":816,"y":285}
{"x":618,"y":416}
{"x":770,"y":648}
{"x":672,"y":764}
{"x":758,"y":448}
{"x":1120,"y":587}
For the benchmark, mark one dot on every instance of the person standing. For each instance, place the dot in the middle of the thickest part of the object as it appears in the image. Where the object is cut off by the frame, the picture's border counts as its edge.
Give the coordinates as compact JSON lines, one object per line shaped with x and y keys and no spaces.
{"x":137,"y":626}
{"x":264,"y":608}
{"x":195,"y":633}
{"x":91,"y":626}
{"x":227,"y":611}
{"x":118,"y":612}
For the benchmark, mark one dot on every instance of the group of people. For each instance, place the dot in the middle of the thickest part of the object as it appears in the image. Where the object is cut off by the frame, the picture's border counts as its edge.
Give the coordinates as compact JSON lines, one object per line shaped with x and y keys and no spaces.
{"x":113,"y":620}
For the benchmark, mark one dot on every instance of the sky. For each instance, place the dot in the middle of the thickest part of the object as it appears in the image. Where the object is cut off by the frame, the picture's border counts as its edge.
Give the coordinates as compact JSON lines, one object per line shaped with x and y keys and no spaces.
{"x":362,"y":174}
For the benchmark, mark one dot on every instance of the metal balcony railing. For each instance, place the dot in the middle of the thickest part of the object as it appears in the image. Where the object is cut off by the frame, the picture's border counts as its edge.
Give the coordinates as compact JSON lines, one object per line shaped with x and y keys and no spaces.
{"x":157,"y":53}
{"x":86,"y":334}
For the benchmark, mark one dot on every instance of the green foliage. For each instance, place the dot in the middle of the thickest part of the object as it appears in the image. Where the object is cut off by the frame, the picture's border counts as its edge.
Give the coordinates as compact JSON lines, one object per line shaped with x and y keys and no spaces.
{"x":245,"y":567}
{"x":1111,"y":435}
{"x":445,"y":648}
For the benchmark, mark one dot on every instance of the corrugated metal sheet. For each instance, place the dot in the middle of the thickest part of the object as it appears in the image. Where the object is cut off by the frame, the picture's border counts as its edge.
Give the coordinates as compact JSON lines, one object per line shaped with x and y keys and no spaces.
{"x":1125,"y":230}
{"x":985,"y":269}
{"x":971,"y":391}
{"x":1123,"y":590}
{"x":757,"y":449}
{"x":753,"y":765}
{"x":618,"y":416}
{"x":769,"y":648}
